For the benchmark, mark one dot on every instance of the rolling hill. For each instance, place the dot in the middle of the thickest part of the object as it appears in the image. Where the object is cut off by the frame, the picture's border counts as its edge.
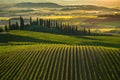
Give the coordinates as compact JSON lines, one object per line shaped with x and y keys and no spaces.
{"x":88,"y":7}
{"x":29,"y":4}
{"x":66,"y":7}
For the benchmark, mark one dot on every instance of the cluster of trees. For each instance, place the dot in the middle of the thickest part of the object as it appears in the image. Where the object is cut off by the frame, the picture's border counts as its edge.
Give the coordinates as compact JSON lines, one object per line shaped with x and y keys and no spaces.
{"x":16,"y":26}
{"x":86,"y":31}
{"x":63,"y":27}
{"x":2,"y":29}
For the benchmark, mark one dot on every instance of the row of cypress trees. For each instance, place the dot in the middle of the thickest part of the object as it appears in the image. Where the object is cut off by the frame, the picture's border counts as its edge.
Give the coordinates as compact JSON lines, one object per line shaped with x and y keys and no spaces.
{"x":16,"y":25}
{"x":63,"y":27}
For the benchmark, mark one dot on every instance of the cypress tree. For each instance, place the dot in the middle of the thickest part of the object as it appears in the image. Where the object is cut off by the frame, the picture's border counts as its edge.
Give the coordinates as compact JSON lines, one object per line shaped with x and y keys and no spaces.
{"x":72,"y":29}
{"x":76,"y":28}
{"x":17,"y":26}
{"x":84,"y":31}
{"x":53,"y":23}
{"x":60,"y":25}
{"x":44,"y":23}
{"x":21,"y":23}
{"x":48,"y":23}
{"x":37,"y":23}
{"x":9,"y":24}
{"x":89,"y":32}
{"x":56,"y":24}
{"x":6,"y":28}
{"x":30,"y":21}
{"x":41,"y":22}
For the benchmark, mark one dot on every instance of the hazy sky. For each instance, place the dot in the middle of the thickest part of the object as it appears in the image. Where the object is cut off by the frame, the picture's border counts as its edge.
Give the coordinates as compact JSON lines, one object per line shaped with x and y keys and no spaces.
{"x":110,"y":3}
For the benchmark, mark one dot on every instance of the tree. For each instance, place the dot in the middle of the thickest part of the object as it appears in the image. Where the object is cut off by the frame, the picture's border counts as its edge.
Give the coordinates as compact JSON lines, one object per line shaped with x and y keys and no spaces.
{"x":30,"y":21}
{"x":76,"y":30}
{"x":6,"y":28}
{"x":1,"y":30}
{"x":21,"y":23}
{"x":41,"y":22}
{"x":89,"y":32}
{"x":48,"y":23}
{"x":37,"y":21}
{"x":17,"y":25}
{"x":10,"y":25}
{"x":84,"y":31}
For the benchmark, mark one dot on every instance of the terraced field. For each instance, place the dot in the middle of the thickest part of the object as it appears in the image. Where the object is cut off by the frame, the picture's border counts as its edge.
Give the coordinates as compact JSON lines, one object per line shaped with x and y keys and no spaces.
{"x":59,"y":62}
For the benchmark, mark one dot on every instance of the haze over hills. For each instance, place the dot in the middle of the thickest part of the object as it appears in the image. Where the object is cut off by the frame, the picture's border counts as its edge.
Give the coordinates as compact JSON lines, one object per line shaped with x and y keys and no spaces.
{"x":106,"y":3}
{"x":67,"y":7}
{"x":88,"y":7}
{"x":55,"y":5}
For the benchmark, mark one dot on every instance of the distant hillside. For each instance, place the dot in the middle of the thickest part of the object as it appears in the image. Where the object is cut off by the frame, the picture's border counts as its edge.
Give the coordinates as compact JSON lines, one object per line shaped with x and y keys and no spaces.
{"x":87,"y":7}
{"x":32,"y":5}
{"x":64,"y":8}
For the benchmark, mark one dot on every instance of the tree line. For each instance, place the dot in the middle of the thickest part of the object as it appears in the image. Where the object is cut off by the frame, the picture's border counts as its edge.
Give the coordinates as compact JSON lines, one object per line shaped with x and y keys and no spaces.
{"x":50,"y":23}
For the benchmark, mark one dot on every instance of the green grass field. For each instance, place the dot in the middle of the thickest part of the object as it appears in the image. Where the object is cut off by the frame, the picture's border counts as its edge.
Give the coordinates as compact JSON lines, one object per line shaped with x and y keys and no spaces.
{"x":30,"y":55}
{"x":30,"y":37}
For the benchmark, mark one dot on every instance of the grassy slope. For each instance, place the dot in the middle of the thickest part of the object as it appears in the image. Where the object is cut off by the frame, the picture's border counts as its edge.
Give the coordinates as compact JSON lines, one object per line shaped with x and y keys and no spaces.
{"x":29,"y":37}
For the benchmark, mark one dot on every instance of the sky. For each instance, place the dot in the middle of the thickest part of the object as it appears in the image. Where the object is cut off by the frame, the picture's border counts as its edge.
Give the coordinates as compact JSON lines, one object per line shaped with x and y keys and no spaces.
{"x":108,"y":3}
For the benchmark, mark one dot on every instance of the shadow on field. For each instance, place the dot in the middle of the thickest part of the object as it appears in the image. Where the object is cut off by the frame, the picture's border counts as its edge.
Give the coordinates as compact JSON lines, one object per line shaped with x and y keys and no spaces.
{"x":108,"y":44}
{"x":44,"y":29}
{"x":85,"y":37}
{"x":105,"y":44}
{"x":6,"y":38}
{"x":10,"y":39}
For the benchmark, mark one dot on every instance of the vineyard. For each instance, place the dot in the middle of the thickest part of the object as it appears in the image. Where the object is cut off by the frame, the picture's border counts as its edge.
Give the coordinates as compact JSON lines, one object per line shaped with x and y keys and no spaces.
{"x":57,"y":40}
{"x":59,"y":62}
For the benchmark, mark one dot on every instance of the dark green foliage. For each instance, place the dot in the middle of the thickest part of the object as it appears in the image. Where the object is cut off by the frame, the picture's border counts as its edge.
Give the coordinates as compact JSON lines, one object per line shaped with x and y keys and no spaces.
{"x":84,"y":31}
{"x":65,"y":28}
{"x":14,"y":26}
{"x":37,"y":22}
{"x":21,"y":23}
{"x":41,"y":22}
{"x":89,"y":32}
{"x":6,"y":28}
{"x":1,"y":30}
{"x":48,"y":23}
{"x":17,"y":25}
{"x":9,"y":23}
{"x":30,"y":21}
{"x":27,"y":25}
